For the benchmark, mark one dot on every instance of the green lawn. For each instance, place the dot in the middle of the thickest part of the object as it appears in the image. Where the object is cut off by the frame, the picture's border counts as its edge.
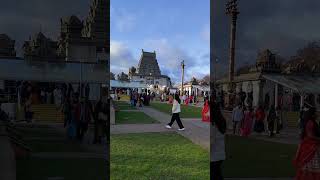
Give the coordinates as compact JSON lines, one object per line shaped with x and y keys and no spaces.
{"x":124,"y":117}
{"x":123,"y":105}
{"x":256,"y":158}
{"x":157,"y":156}
{"x":186,"y":111}
{"x":70,"y":169}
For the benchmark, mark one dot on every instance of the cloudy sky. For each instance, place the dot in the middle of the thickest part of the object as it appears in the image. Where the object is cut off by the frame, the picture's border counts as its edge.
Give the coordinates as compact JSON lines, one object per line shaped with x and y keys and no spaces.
{"x":280,"y":25}
{"x":20,"y":18}
{"x":177,"y":30}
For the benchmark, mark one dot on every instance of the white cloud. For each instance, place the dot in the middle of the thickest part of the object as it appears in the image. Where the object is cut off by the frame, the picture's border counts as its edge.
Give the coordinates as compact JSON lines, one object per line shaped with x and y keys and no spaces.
{"x":170,"y":57}
{"x":123,"y":20}
{"x":121,"y":58}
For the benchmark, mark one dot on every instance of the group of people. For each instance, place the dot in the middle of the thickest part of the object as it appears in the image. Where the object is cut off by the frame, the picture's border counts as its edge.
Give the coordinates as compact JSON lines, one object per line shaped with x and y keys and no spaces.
{"x":79,"y":112}
{"x":140,"y":99}
{"x":246,"y":119}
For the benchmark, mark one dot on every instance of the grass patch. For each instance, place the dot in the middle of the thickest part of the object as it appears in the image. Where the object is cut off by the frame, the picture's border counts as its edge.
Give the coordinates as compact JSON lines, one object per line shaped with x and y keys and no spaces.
{"x":256,"y":158}
{"x":70,"y":169}
{"x":157,"y":156}
{"x":123,"y":117}
{"x":121,"y":105}
{"x":186,"y":111}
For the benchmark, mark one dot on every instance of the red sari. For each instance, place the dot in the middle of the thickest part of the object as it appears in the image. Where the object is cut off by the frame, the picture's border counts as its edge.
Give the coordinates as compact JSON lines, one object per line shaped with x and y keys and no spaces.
{"x":307,"y":161}
{"x":206,"y":112}
{"x":187,"y":101}
{"x":247,"y":123}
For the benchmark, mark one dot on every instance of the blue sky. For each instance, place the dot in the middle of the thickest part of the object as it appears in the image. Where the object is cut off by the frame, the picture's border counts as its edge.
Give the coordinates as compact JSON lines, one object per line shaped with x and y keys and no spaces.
{"x":176,"y":29}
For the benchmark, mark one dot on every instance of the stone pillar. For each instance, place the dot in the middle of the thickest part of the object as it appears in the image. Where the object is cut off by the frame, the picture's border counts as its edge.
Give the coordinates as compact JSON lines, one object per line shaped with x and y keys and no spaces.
{"x":276,"y":95}
{"x":112,"y":115}
{"x":260,"y":96}
{"x":301,"y":100}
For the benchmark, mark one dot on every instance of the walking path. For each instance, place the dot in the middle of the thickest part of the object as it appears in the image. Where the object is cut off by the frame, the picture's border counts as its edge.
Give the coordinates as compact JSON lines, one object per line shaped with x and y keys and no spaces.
{"x":195,"y":130}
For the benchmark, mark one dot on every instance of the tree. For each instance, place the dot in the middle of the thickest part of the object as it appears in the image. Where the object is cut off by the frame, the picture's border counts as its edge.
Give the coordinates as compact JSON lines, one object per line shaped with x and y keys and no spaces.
{"x":310,"y":54}
{"x":205,"y":80}
{"x":112,"y":76}
{"x":123,"y":77}
{"x":132,"y":71}
{"x":194,"y":81}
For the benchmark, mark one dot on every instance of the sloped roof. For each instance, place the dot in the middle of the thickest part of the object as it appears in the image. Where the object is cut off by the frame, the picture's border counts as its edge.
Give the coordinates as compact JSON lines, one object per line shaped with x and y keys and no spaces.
{"x":301,"y":84}
{"x":241,"y":78}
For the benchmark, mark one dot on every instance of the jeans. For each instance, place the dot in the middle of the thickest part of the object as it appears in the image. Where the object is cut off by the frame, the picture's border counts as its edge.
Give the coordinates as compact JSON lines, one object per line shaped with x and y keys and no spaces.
{"x":175,"y":116}
{"x":216,"y":170}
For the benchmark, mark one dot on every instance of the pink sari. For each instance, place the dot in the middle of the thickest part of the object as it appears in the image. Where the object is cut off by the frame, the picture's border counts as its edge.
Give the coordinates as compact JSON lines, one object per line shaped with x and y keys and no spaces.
{"x":247,"y":124}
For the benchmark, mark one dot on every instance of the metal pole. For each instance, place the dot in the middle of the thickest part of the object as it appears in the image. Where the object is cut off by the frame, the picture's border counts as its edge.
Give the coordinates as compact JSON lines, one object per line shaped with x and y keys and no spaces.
{"x":182,"y":78}
{"x":81,"y":79}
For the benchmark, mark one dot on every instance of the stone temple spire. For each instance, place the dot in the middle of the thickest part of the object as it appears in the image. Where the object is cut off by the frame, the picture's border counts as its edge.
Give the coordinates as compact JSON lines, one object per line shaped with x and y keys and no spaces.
{"x":97,"y":25}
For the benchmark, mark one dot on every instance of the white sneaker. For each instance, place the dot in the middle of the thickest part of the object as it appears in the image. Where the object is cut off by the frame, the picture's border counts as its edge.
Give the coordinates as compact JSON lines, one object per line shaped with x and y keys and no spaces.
{"x":181,"y":129}
{"x":168,"y":127}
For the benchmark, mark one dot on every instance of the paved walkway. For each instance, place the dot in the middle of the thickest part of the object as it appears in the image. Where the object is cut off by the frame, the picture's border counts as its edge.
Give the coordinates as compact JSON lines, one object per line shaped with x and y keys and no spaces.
{"x":87,"y":142}
{"x":195,"y":130}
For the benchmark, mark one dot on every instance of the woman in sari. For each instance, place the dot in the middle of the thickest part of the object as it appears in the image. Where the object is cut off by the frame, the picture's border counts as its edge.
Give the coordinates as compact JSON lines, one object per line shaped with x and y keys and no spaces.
{"x":307,"y":160}
{"x":259,"y":122}
{"x":206,"y":111}
{"x":247,"y":122}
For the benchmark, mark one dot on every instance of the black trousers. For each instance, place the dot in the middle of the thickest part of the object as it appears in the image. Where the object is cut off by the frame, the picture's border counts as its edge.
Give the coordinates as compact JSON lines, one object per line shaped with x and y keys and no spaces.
{"x":81,"y":130}
{"x":176,"y":117}
{"x":235,"y":124}
{"x":216,"y":170}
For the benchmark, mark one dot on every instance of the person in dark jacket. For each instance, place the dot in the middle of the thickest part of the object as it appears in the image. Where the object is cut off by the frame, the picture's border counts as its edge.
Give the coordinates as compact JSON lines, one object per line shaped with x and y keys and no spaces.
{"x":271,"y":120}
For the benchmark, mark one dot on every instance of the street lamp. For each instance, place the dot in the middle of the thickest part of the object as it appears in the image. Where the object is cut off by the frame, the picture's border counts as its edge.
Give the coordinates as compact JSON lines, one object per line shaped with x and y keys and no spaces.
{"x":182,"y":78}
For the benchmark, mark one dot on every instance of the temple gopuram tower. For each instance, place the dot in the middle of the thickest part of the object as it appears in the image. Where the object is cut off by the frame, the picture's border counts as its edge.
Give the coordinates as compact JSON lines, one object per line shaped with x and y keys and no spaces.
{"x":97,"y":24}
{"x":148,"y":64}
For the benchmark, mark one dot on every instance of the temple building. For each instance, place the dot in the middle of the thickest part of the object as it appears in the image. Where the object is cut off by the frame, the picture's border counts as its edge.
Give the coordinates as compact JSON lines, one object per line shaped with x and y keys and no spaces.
{"x":148,"y":71}
{"x":272,"y":83}
{"x":79,"y":41}
{"x":7,"y":46}
{"x":39,"y":47}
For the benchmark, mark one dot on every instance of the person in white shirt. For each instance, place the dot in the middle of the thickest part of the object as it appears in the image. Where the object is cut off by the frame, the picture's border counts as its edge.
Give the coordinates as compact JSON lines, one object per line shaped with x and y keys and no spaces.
{"x":175,"y":113}
{"x":218,"y":151}
{"x":237,"y":117}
